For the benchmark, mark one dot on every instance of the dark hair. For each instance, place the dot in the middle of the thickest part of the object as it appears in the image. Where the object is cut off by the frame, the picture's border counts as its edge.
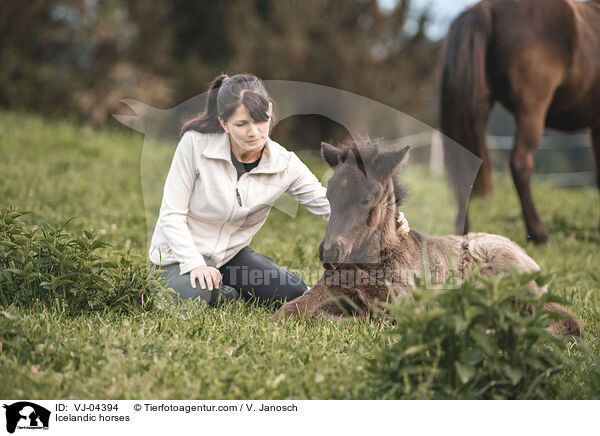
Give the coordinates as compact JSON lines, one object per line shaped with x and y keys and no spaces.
{"x":224,"y":96}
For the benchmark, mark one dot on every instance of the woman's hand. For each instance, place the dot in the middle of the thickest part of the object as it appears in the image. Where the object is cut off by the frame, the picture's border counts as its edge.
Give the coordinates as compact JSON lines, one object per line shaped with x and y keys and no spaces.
{"x":207,"y":276}
{"x":403,"y":227}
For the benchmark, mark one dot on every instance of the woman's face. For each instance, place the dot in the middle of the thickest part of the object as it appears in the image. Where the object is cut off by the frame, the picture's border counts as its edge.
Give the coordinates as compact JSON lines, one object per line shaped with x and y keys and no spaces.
{"x":245,"y":133}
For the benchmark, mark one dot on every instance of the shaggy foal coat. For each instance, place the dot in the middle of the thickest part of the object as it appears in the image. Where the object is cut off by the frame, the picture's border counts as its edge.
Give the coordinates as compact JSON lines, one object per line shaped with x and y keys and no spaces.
{"x":364,"y":256}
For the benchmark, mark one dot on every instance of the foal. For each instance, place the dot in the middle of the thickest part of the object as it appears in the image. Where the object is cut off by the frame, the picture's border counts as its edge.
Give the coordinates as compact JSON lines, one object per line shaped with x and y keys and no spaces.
{"x":363,"y":254}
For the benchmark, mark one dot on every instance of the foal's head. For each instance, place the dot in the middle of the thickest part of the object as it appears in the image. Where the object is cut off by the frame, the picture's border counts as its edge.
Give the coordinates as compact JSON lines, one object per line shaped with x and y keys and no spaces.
{"x":363,"y":197}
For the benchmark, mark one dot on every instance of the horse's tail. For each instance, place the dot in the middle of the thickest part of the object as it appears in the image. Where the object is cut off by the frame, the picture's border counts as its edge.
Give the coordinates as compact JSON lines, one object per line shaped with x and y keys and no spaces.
{"x":466,"y":97}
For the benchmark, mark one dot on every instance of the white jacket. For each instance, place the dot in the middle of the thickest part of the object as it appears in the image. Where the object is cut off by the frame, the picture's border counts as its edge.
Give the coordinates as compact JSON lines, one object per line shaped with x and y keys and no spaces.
{"x":201,"y":221}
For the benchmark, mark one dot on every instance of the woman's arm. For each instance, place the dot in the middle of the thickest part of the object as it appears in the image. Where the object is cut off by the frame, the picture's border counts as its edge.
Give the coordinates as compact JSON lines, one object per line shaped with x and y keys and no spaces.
{"x":307,"y":189}
{"x":175,"y":206}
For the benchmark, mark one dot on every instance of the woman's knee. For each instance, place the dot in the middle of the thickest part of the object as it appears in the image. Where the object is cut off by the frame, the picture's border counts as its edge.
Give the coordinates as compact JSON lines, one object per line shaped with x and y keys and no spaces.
{"x":224,"y":294}
{"x":214,"y":297}
{"x":184,"y":291}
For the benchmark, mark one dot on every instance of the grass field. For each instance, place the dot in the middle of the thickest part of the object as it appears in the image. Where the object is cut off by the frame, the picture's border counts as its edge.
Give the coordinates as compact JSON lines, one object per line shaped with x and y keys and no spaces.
{"x":60,"y":170}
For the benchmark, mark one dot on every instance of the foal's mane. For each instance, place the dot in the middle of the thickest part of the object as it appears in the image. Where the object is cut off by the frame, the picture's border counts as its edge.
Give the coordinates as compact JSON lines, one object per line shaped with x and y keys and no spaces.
{"x":366,"y":151}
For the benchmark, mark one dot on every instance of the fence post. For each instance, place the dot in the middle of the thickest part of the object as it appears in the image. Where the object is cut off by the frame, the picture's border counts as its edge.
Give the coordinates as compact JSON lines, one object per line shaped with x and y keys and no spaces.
{"x":436,"y":157}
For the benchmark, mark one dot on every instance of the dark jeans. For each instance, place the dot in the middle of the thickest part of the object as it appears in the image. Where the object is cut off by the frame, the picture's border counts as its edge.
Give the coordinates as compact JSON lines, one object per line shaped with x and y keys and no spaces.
{"x":248,"y":274}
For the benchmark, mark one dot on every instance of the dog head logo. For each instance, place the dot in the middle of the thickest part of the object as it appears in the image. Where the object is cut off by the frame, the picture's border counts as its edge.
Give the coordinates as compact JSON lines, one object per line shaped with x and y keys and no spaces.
{"x":26,"y":415}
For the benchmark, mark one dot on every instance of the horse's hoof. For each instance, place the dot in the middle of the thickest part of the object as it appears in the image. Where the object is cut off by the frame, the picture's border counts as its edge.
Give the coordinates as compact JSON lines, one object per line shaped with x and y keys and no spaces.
{"x":286,"y":312}
{"x":538,"y":238}
{"x":280,"y":314}
{"x":277,"y":315}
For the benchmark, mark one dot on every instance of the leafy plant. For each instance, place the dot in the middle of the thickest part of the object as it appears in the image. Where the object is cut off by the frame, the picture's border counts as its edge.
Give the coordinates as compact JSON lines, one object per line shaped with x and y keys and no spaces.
{"x":50,"y":266}
{"x":485,"y":339}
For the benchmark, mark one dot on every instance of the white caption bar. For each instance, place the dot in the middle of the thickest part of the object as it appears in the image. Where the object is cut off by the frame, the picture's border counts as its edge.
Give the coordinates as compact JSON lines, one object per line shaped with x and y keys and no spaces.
{"x":283,"y":418}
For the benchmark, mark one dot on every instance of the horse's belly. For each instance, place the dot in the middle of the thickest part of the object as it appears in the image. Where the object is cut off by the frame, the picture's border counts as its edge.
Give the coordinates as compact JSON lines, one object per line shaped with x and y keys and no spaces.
{"x":570,"y":119}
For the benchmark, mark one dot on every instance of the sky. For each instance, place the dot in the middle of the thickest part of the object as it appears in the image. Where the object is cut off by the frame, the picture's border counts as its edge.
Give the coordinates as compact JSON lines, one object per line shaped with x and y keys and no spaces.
{"x":443,"y":12}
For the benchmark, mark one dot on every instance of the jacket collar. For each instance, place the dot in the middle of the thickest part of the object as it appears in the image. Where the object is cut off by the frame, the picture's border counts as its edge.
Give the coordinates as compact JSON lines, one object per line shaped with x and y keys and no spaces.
{"x":270,"y":162}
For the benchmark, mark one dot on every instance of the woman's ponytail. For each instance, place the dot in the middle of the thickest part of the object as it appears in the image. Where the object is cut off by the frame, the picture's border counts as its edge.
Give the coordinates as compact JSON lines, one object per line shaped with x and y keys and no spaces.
{"x":208,"y":120}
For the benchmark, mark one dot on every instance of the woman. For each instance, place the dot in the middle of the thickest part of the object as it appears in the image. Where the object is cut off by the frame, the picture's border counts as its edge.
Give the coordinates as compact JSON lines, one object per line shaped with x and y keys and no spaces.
{"x":225,"y":176}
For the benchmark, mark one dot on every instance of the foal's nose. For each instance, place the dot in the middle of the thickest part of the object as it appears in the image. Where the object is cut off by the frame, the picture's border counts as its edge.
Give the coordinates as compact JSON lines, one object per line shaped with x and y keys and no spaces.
{"x":333,"y":253}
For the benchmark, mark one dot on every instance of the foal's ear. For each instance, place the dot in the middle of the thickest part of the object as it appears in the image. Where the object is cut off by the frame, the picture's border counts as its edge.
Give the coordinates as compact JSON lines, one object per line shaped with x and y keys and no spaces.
{"x":388,"y":161}
{"x":330,"y":153}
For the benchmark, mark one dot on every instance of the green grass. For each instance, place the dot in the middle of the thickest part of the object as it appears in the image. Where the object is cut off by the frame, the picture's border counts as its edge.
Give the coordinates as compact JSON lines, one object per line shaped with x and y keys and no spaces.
{"x":60,"y":170}
{"x":193,"y":352}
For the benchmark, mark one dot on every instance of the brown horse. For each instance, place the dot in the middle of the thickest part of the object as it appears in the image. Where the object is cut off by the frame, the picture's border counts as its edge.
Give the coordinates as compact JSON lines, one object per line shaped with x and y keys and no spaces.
{"x":538,"y":58}
{"x":362,"y":251}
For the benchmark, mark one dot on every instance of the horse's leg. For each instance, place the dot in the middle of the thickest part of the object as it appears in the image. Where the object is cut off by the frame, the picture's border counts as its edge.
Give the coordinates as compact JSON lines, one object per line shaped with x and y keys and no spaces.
{"x":534,"y":74}
{"x":462,"y":225}
{"x":459,"y":166}
{"x":530,"y":126}
{"x":533,"y":89}
{"x":307,"y":304}
{"x":595,"y":136}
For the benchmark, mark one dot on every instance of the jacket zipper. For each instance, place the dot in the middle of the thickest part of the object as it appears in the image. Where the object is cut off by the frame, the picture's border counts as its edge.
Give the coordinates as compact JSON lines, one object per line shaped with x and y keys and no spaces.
{"x":237,"y":194}
{"x":238,"y":197}
{"x":229,"y":214}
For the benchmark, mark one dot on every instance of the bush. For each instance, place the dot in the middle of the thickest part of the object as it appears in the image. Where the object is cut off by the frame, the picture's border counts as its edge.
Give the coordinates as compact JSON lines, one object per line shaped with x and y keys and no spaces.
{"x":485,"y":340}
{"x":50,"y":266}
